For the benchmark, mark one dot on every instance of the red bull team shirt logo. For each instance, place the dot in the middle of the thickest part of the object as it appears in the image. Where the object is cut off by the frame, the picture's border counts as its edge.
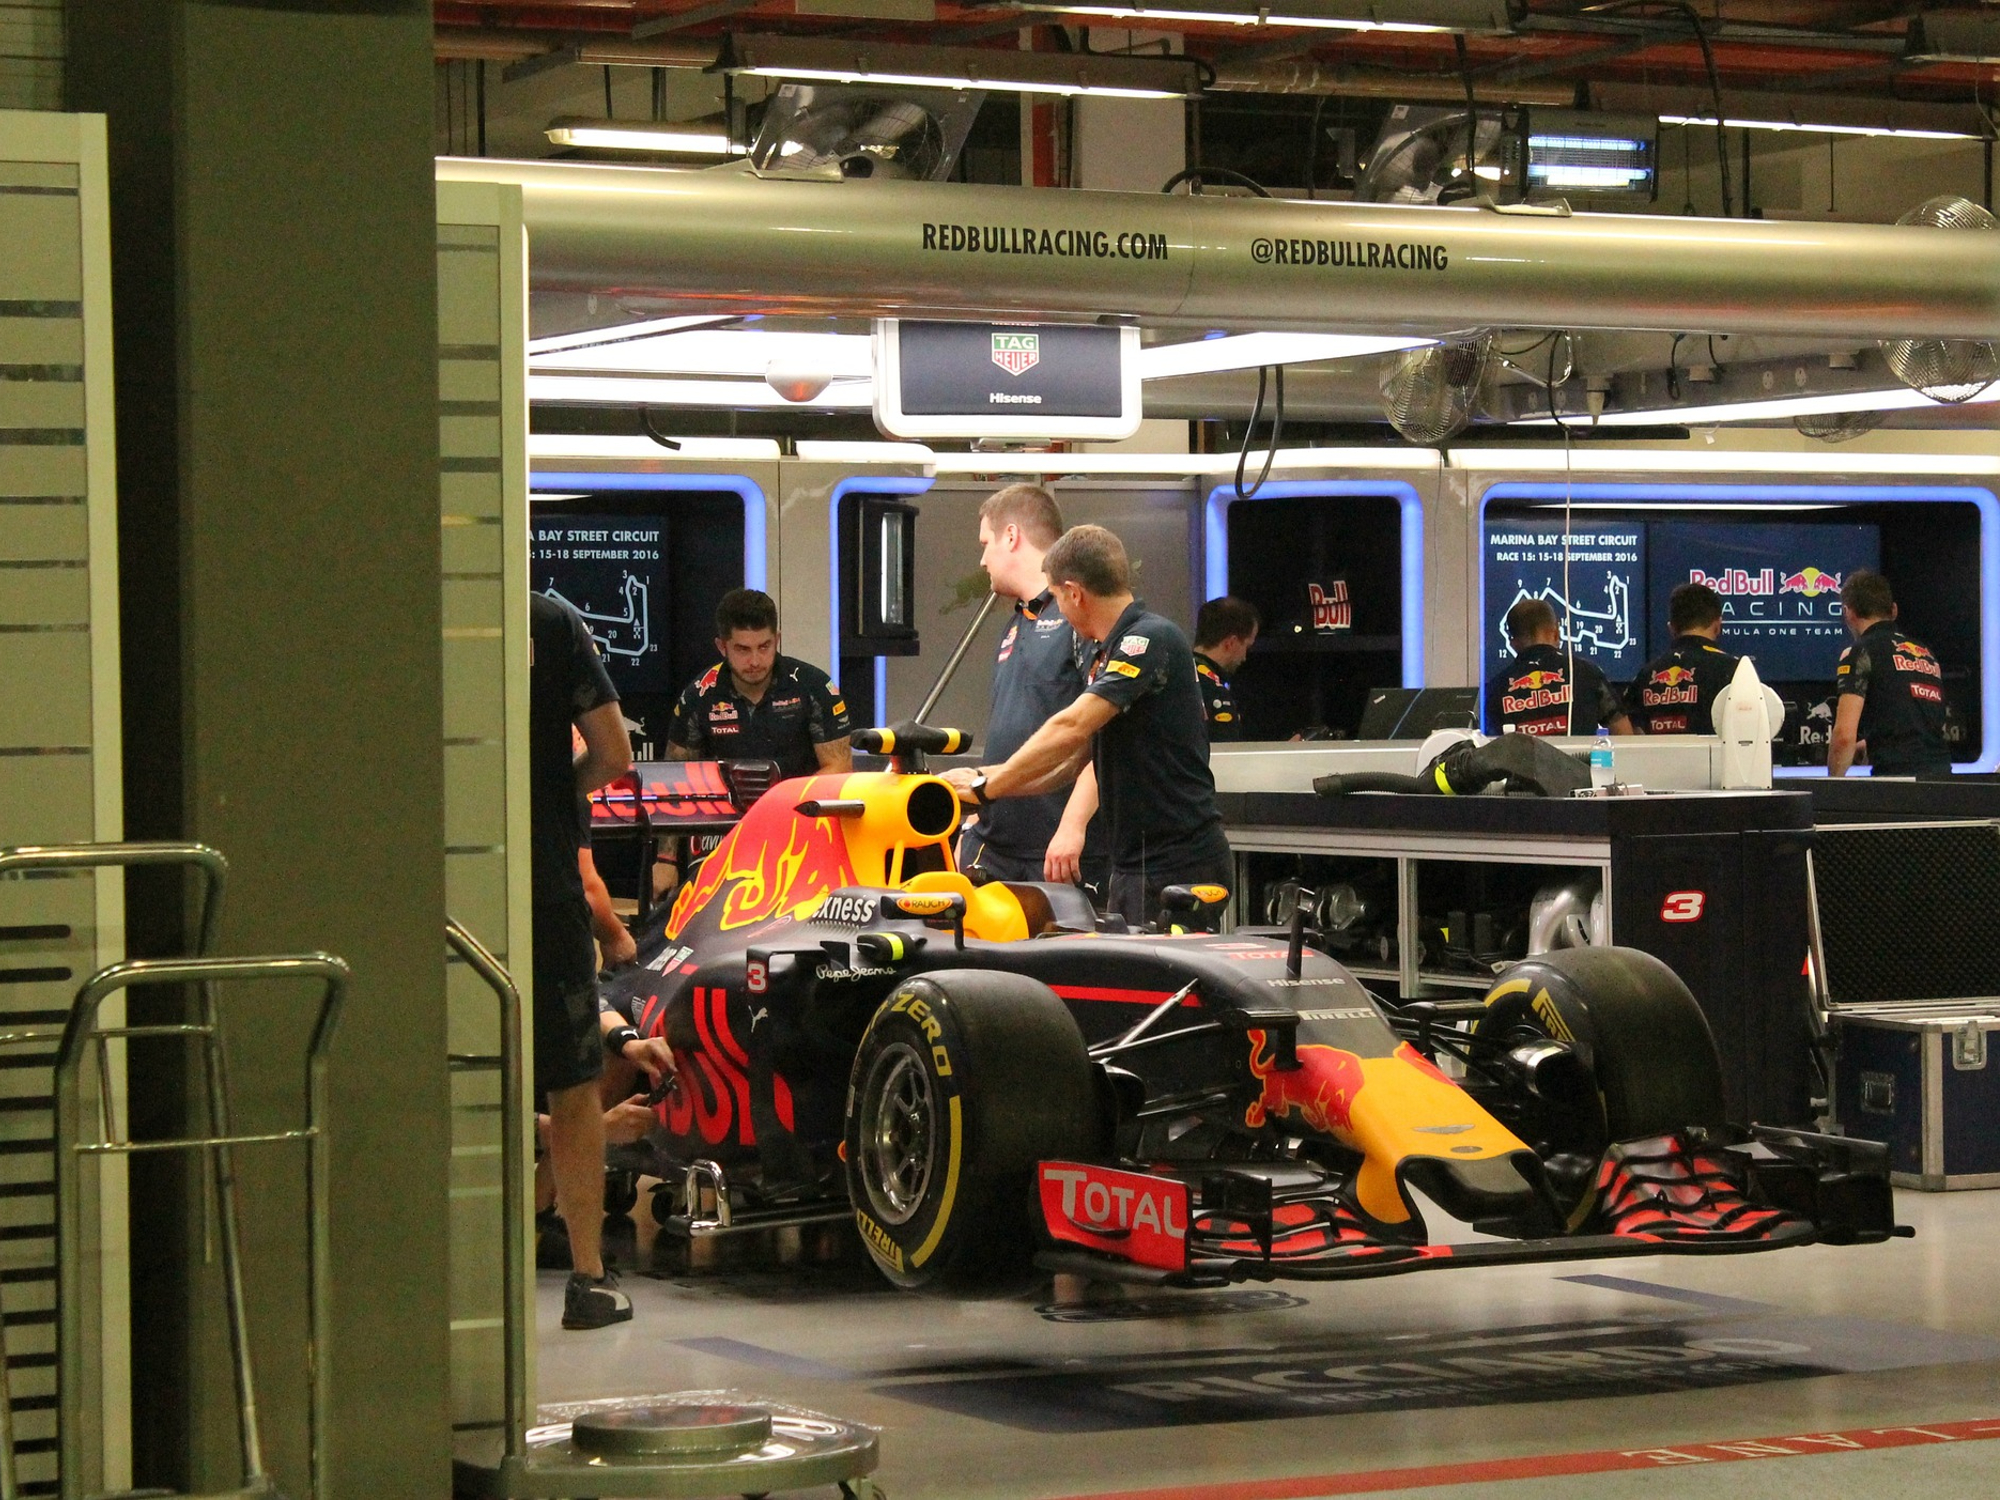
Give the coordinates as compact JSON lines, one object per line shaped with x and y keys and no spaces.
{"x":1669,"y":686}
{"x":1017,"y":353}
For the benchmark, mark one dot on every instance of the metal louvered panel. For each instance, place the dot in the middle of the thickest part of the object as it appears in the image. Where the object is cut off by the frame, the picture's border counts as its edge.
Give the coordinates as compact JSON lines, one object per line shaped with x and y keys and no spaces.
{"x":483,"y":506}
{"x":59,"y":751}
{"x":31,"y":54}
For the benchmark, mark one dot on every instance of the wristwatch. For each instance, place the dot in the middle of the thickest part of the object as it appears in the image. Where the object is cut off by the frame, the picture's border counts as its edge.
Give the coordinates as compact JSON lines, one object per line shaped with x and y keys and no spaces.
{"x":978,"y":788}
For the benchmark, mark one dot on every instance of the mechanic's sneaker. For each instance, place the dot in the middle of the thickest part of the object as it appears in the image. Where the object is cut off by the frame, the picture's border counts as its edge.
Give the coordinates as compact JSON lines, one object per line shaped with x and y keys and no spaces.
{"x":594,"y":1304}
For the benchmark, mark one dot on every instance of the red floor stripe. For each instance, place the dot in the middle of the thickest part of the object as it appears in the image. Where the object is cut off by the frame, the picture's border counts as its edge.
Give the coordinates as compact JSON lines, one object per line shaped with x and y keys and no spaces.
{"x":1546,"y":1465}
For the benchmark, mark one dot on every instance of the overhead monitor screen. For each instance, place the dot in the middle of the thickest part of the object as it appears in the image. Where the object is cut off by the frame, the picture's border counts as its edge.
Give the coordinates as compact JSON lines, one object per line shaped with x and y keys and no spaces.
{"x":1779,"y":582}
{"x":1052,"y":380}
{"x":614,"y":570}
{"x":1595,"y":580}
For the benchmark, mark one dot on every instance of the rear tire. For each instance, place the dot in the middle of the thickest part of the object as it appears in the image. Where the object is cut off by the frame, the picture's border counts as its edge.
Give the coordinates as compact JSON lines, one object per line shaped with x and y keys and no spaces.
{"x":963,"y":1082}
{"x":1650,"y":1047}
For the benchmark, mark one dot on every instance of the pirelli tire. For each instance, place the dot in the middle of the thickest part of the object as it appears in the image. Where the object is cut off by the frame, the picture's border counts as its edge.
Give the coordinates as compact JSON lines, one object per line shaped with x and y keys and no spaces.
{"x":963,"y":1082}
{"x":1649,"y":1045}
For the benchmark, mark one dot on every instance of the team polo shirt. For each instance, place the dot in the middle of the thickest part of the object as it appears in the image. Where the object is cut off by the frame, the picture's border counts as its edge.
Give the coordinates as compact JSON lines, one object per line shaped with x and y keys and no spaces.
{"x":1218,"y":701}
{"x":1037,"y":673}
{"x":1154,"y":790}
{"x":800,"y":708}
{"x":1676,"y":694}
{"x":1535,"y":694}
{"x":1902,"y":693}
{"x":566,"y":679}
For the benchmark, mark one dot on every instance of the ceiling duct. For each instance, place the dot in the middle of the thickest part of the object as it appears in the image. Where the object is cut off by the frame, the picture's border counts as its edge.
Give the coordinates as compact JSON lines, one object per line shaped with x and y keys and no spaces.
{"x":723,"y":241}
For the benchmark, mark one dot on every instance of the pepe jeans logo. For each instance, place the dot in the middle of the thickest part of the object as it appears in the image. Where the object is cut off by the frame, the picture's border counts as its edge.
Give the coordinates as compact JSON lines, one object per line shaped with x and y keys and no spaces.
{"x":1017,"y":353}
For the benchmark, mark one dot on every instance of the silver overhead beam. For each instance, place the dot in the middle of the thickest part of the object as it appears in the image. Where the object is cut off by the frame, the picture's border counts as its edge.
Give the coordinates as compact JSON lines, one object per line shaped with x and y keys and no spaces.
{"x":726,"y":241}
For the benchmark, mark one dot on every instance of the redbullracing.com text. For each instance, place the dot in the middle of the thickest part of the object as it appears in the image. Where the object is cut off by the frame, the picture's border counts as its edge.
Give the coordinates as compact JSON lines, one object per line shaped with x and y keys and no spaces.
{"x":1031,"y":239}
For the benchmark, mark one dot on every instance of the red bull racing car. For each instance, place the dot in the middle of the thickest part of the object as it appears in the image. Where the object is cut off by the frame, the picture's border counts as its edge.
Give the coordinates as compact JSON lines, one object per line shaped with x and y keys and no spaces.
{"x":993,"y":1080}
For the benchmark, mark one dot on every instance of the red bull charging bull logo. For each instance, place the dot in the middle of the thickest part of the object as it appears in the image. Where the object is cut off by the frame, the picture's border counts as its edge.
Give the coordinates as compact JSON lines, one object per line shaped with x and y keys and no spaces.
{"x":1812,"y":582}
{"x":1319,"y":1092}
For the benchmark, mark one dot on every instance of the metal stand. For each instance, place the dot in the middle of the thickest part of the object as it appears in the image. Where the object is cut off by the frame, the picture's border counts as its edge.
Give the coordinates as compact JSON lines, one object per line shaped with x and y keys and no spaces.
{"x":694,"y":1443}
{"x":81,"y":1034}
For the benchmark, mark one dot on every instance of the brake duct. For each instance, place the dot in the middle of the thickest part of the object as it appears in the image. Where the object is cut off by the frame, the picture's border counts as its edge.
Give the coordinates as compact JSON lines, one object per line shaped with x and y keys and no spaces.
{"x":725,"y":240}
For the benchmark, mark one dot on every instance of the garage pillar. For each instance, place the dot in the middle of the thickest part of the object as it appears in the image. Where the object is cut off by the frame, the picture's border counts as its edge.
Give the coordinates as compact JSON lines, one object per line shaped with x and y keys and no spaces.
{"x":276,"y":342}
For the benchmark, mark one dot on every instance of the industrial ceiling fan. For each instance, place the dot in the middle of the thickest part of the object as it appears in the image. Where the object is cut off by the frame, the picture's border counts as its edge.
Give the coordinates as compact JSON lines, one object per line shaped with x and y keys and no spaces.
{"x":1420,"y":157}
{"x":1951,"y":371}
{"x":864,"y":131}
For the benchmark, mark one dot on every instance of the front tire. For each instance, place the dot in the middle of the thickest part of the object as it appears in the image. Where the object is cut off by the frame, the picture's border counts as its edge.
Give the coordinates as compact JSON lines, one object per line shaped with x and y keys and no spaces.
{"x":963,"y":1082}
{"x":1650,"y":1047}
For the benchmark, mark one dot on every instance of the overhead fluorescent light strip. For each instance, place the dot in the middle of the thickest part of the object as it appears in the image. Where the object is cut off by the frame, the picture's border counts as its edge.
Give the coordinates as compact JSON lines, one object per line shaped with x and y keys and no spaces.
{"x":1763,"y":411}
{"x":1250,"y":351}
{"x":1708,"y":122}
{"x":610,"y":135}
{"x":1471,"y":17}
{"x":621,"y":333}
{"x":960,"y":67}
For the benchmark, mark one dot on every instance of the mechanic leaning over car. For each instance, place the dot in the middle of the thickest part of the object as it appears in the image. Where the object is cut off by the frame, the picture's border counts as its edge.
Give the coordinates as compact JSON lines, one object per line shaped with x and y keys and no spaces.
{"x":1038,"y":672}
{"x":1534,"y":693}
{"x":1675,"y":694}
{"x":568,"y":688}
{"x":1224,"y":631}
{"x":1890,"y":690}
{"x":1138,"y":724}
{"x":757,"y":704}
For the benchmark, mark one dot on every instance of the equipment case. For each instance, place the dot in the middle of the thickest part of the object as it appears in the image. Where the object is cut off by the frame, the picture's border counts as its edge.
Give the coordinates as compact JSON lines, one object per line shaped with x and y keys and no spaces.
{"x":1910,"y":983}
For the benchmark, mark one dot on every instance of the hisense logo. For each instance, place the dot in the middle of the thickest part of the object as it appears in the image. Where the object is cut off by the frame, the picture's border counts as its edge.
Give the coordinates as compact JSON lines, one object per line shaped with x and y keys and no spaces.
{"x":1017,"y":353}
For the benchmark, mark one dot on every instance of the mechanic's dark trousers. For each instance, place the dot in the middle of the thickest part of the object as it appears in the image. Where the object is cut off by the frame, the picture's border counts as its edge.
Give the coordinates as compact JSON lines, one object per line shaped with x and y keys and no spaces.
{"x":975,"y":855}
{"x":1135,"y":894}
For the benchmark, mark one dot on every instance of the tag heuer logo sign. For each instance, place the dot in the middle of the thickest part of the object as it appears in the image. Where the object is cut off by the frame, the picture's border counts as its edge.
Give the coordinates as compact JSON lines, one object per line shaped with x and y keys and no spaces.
{"x":1017,"y":353}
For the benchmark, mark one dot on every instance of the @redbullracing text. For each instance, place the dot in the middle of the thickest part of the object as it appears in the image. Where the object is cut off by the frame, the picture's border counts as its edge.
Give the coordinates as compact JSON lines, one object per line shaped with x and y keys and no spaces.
{"x":1358,"y":255}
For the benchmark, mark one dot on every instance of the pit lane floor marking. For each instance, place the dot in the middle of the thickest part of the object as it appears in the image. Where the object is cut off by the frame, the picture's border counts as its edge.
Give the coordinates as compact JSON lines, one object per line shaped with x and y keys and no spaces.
{"x":1552,"y":1465}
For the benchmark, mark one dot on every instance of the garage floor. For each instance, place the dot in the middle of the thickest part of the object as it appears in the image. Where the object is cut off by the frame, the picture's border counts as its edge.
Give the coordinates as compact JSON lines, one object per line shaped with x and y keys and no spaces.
{"x":1871,"y":1371}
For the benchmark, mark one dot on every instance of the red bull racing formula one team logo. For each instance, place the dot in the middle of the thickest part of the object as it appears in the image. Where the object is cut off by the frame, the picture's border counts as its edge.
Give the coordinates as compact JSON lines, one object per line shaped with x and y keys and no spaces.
{"x":1319,"y":1092}
{"x":1668,"y":686}
{"x":1017,"y":353}
{"x":1812,"y":582}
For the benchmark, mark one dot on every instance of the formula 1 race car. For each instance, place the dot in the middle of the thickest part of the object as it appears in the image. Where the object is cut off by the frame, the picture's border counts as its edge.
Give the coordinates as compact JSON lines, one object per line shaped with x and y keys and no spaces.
{"x":992,"y":1079}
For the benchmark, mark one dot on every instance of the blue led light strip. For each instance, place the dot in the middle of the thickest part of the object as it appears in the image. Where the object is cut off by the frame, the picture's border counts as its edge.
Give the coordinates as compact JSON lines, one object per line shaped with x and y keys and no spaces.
{"x":1405,"y":495}
{"x":755,"y":566}
{"x":1651,"y":496}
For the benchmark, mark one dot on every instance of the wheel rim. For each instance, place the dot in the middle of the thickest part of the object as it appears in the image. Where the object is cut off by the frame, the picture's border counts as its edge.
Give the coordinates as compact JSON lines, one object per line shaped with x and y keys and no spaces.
{"x":898,"y":1133}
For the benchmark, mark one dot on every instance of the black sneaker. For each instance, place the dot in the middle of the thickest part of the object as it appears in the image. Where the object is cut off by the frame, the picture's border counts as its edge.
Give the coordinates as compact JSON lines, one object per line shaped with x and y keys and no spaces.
{"x":594,"y":1304}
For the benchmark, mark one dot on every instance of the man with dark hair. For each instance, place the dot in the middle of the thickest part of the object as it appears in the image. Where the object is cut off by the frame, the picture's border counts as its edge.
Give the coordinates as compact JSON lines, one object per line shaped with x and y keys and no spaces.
{"x":1138,"y":722}
{"x":1538,"y":693}
{"x":1890,"y":690}
{"x":757,"y":704}
{"x":568,"y":689}
{"x":1676,"y":693}
{"x":1224,"y":631}
{"x":1036,"y":674}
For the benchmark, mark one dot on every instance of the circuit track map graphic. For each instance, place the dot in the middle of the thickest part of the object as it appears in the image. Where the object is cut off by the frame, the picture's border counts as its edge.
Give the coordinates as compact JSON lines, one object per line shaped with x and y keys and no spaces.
{"x":1592,"y":630}
{"x":612,"y":571}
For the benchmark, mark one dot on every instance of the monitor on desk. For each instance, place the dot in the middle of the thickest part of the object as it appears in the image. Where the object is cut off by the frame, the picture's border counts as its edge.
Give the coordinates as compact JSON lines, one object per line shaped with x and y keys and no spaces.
{"x":1417,"y":713}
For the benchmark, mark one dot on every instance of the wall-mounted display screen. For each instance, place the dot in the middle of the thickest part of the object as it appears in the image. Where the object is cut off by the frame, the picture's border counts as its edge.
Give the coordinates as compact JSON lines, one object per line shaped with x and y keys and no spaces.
{"x":1055,"y":380}
{"x":1594,"y":579}
{"x":1779,"y":582}
{"x":614,"y":570}
{"x":1780,"y":586}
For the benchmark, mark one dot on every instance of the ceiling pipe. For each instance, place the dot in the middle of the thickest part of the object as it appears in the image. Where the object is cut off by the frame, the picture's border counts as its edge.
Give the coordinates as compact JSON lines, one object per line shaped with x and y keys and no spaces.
{"x":726,"y":241}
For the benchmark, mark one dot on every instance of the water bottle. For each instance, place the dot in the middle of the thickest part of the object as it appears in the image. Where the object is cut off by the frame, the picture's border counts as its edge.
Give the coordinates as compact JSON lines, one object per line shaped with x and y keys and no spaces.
{"x":1601,"y":772}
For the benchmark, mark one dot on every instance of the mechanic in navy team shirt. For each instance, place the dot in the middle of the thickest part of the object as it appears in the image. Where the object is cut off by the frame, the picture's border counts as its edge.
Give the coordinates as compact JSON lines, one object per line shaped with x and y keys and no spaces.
{"x":1890,"y":690}
{"x":757,"y":704}
{"x":1139,"y":723}
{"x":1039,"y":672}
{"x":570,"y":692}
{"x":1224,"y":631}
{"x":1545,"y":689}
{"x":1676,"y":693}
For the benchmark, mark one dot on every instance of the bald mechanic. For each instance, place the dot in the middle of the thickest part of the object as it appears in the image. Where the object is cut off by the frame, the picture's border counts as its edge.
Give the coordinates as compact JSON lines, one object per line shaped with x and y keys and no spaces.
{"x":1037,"y":673}
{"x":1138,"y":724}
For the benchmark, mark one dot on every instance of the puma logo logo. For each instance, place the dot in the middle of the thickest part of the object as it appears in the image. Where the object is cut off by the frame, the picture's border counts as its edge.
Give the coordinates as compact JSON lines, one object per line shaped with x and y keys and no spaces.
{"x":758,"y":1014}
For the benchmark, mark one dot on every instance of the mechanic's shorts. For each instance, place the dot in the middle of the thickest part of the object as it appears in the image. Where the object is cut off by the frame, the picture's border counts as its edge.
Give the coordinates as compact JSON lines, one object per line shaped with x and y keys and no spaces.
{"x":975,"y":854}
{"x":569,"y":1049}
